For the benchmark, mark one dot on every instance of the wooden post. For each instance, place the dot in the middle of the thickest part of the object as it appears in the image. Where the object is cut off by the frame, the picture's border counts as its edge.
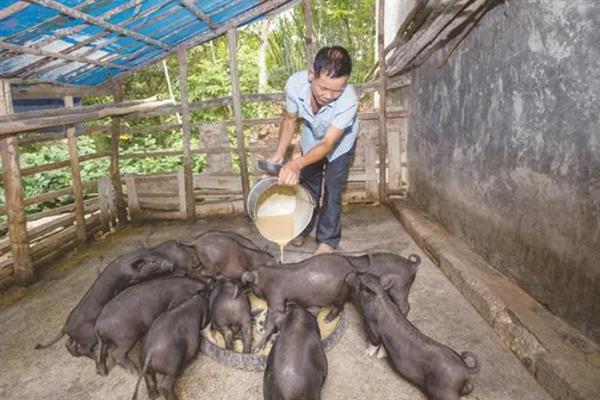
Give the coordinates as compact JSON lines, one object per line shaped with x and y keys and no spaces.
{"x":182,"y":192}
{"x":185,"y":127}
{"x":237,"y":112}
{"x":132,"y":197}
{"x":104,"y":194}
{"x":308,"y":32}
{"x":115,"y":175}
{"x":382,"y":101}
{"x":15,"y":207}
{"x":76,"y":179}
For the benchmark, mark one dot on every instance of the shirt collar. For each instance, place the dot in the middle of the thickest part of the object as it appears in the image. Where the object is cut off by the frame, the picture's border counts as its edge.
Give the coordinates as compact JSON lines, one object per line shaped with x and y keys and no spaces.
{"x":305,"y":95}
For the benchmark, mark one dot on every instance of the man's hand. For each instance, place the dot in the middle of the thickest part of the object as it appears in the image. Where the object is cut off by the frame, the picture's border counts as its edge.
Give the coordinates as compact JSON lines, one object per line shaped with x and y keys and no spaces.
{"x":290,"y":173}
{"x":275,"y":159}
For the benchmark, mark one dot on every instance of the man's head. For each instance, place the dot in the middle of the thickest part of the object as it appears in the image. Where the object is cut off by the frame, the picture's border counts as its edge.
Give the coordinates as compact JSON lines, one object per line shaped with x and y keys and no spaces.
{"x":329,"y":74}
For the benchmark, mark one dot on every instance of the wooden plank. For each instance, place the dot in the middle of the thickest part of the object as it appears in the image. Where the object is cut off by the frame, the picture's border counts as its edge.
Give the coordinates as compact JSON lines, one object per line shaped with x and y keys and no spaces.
{"x":187,"y":185}
{"x":61,"y":164}
{"x":220,"y":208}
{"x":159,"y":215}
{"x":38,"y":67}
{"x":104,"y":194}
{"x":45,"y":53}
{"x":115,"y":174}
{"x":100,"y":22}
{"x":215,"y":134}
{"x":201,"y":16}
{"x":57,"y":193}
{"x":14,"y":8}
{"x":13,"y":189}
{"x":237,"y":111}
{"x":76,"y":179}
{"x":382,"y":102}
{"x":308,"y":32}
{"x":57,"y":223}
{"x":184,"y":205}
{"x":27,"y":121}
{"x":90,"y":204}
{"x":132,"y":197}
{"x":52,"y":91}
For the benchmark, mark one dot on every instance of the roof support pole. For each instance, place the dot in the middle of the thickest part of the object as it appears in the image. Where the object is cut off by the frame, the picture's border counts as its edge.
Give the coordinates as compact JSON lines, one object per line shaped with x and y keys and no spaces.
{"x":76,"y":179}
{"x":15,"y":206}
{"x":189,"y":207}
{"x":115,"y":174}
{"x":308,"y":32}
{"x":382,"y":102}
{"x":237,"y":113}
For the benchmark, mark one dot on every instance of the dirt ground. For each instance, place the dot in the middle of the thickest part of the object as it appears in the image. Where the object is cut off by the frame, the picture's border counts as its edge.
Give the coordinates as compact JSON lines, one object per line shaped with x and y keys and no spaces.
{"x":437,"y":308}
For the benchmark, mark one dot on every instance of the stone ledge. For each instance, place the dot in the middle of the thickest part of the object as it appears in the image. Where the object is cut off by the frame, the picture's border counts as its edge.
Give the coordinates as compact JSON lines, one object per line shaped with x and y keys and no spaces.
{"x":564,"y":362}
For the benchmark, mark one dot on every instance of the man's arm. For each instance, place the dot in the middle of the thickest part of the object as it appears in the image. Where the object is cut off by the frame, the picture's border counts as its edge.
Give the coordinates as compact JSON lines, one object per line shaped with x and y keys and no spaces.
{"x":290,"y":172}
{"x":286,"y":131}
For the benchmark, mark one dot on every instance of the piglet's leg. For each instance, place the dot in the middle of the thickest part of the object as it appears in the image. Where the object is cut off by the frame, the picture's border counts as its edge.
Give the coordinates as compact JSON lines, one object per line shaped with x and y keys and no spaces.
{"x":371,"y":350}
{"x":270,"y":324}
{"x":151,"y":385}
{"x":381,"y":353}
{"x":335,"y":311}
{"x":122,"y":359}
{"x":166,"y":386}
{"x":247,"y":338}
{"x":228,"y":336}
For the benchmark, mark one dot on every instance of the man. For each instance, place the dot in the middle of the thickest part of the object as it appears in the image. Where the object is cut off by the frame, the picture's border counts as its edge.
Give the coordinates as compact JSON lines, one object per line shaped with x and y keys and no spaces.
{"x":328,"y":107}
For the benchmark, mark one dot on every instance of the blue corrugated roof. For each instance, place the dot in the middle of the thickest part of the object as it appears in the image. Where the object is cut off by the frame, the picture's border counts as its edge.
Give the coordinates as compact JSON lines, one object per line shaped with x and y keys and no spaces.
{"x":46,"y":29}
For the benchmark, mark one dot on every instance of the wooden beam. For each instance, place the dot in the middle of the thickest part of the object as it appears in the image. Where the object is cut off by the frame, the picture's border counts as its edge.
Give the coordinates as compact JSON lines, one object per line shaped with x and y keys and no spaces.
{"x":61,"y":164}
{"x":201,"y":16}
{"x":27,"y":121}
{"x":13,"y":9}
{"x":57,"y":193}
{"x":100,"y":22}
{"x":15,"y":207}
{"x":72,"y":30}
{"x":443,"y":25}
{"x":45,"y":53}
{"x":49,"y":91}
{"x":76,"y":180}
{"x":308,"y":32}
{"x":115,"y":174}
{"x":237,"y":112}
{"x":93,"y":39}
{"x":189,"y":203}
{"x":382,"y":102}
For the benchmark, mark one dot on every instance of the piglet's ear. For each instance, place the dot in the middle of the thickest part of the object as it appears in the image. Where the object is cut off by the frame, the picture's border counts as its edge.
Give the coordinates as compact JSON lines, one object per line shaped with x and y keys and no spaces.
{"x":370,"y":287}
{"x":387,"y":281}
{"x":351,"y":277}
{"x":249,"y":277}
{"x":137,"y":264}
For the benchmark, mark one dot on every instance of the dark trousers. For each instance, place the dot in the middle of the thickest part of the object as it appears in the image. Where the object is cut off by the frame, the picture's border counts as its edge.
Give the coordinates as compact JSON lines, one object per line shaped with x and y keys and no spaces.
{"x":327,"y":215}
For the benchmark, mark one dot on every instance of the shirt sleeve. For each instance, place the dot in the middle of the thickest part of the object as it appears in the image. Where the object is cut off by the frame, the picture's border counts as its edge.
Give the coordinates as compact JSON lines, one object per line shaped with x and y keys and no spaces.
{"x":346,"y":110}
{"x":291,"y":104}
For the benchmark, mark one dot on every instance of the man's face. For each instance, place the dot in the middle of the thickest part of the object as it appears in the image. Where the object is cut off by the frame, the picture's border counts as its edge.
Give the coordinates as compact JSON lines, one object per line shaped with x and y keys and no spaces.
{"x":324,"y":88}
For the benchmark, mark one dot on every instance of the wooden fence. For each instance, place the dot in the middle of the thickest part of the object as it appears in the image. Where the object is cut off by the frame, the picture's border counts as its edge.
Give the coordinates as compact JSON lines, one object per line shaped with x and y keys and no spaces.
{"x":113,"y":200}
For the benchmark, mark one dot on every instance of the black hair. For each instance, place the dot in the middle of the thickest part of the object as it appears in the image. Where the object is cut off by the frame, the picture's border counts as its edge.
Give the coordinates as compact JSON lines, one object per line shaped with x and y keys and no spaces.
{"x":333,"y":61}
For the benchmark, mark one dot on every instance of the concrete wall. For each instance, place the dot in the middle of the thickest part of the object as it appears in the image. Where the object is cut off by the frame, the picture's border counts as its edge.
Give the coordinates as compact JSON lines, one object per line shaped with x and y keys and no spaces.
{"x":504,"y":149}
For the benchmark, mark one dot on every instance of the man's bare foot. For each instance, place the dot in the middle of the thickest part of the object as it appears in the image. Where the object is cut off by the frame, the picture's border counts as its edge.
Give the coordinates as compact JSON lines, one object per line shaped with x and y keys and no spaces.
{"x":323,"y":248}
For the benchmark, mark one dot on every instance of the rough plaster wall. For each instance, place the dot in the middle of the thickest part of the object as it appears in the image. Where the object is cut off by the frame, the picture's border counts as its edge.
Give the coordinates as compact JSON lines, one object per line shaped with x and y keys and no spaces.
{"x":504,"y":149}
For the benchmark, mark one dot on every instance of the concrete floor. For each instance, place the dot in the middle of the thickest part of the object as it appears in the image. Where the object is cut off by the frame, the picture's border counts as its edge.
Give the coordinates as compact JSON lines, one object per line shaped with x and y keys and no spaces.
{"x":437,"y":308}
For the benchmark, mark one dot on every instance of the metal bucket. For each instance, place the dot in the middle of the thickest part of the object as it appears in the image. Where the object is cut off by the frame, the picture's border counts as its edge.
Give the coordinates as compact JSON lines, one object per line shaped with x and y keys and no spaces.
{"x":268,"y":199}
